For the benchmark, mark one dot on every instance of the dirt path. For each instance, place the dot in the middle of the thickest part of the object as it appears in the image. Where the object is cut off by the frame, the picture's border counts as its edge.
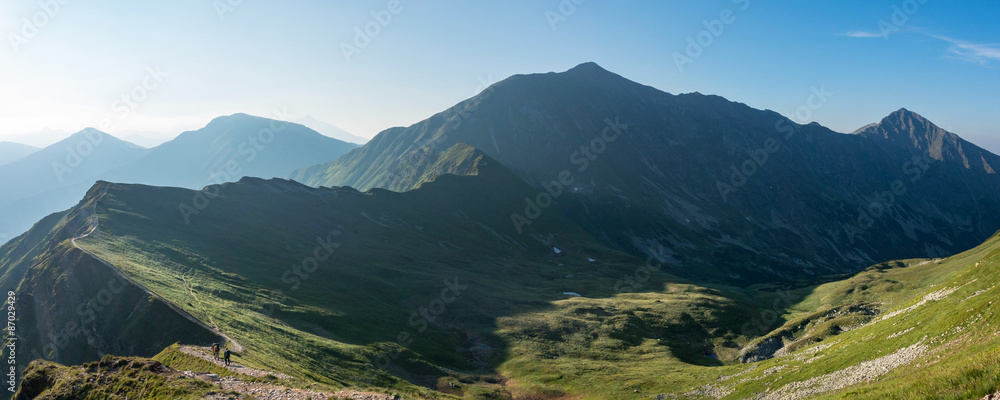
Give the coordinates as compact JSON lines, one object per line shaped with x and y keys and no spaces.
{"x":205,"y":354}
{"x":236,"y":346}
{"x":262,"y":390}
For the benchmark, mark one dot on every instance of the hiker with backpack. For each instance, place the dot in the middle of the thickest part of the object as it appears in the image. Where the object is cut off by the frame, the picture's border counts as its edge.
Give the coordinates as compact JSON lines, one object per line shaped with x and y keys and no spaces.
{"x":215,"y":350}
{"x":226,"y":355}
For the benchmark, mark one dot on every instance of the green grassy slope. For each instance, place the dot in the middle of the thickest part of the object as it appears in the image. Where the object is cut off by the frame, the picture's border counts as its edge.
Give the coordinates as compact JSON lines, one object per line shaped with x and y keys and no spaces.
{"x":936,"y":324}
{"x":110,"y":378}
{"x":71,"y":308}
{"x":433,"y":294}
{"x":415,"y":283}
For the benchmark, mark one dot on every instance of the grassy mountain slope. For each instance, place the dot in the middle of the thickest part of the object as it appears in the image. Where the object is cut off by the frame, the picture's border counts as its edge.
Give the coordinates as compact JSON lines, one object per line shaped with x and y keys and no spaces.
{"x":110,"y":378}
{"x":73,"y":308}
{"x":933,"y":334}
{"x":431,"y":293}
{"x":908,"y":329}
{"x":415,"y":280}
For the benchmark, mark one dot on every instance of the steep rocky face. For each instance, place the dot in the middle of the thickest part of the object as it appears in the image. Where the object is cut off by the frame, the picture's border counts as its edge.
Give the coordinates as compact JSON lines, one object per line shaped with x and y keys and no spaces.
{"x":77,"y":309}
{"x":716,"y":189}
{"x":905,"y":130}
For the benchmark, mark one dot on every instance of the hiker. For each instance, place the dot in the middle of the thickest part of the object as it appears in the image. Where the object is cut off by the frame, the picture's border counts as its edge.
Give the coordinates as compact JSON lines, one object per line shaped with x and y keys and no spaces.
{"x":215,"y":350}
{"x":226,"y":355}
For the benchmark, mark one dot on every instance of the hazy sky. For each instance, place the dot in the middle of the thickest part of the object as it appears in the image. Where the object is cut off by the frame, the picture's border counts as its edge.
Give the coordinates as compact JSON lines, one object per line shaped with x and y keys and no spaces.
{"x":169,"y":66}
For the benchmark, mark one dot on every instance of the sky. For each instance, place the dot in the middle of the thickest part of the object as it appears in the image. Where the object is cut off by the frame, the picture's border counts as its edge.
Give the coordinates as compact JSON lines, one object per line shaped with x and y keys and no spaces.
{"x":158,"y":68}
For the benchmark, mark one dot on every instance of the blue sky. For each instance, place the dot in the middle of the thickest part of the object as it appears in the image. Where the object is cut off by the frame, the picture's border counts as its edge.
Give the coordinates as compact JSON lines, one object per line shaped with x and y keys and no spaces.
{"x":68,"y":67}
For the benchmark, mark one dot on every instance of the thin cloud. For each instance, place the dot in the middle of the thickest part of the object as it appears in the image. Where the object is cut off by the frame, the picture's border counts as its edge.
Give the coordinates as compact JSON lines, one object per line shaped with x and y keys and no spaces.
{"x":980,"y":53}
{"x":861,"y":34}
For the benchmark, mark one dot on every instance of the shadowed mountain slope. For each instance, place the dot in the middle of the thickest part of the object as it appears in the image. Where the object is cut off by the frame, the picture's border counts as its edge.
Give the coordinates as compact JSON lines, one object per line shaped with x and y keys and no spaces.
{"x":734,"y":194}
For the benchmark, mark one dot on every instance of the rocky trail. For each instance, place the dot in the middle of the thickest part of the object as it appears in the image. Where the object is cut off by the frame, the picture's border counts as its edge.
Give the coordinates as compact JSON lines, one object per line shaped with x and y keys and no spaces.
{"x":233,"y":388}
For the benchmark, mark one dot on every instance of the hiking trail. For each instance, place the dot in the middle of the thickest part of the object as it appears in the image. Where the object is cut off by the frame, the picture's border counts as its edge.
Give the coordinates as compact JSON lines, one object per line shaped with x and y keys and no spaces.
{"x":264,"y":390}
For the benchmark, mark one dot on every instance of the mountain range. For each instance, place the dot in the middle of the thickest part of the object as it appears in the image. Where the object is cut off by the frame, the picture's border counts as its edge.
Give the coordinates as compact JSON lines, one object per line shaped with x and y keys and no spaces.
{"x":228,"y":148}
{"x":732,"y":193}
{"x":557,"y":236}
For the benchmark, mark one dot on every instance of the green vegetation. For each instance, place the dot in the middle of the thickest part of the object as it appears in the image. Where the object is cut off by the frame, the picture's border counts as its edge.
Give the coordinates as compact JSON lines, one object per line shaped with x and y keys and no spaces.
{"x":442,"y":298}
{"x":110,"y":378}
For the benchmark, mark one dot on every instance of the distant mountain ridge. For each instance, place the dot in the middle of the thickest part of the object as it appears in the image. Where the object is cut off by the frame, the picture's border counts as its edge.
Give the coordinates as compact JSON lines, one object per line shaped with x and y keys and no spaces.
{"x":10,"y":152}
{"x":228,"y":148}
{"x":733,"y":193}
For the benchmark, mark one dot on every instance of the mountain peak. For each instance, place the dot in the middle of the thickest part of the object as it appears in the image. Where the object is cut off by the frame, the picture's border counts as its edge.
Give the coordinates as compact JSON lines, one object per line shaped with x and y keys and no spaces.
{"x":904,"y":125}
{"x":92,"y":135}
{"x":589,"y":67}
{"x":911,"y":131}
{"x":89,"y":131}
{"x":235,"y":117}
{"x":906,"y":115}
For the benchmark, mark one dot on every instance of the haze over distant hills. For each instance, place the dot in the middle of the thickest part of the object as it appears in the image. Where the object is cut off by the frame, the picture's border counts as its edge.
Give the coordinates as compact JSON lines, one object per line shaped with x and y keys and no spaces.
{"x":10,"y":152}
{"x":330,"y":130}
{"x":727,"y":190}
{"x":146,"y":139}
{"x":40,"y":138}
{"x":228,"y":148}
